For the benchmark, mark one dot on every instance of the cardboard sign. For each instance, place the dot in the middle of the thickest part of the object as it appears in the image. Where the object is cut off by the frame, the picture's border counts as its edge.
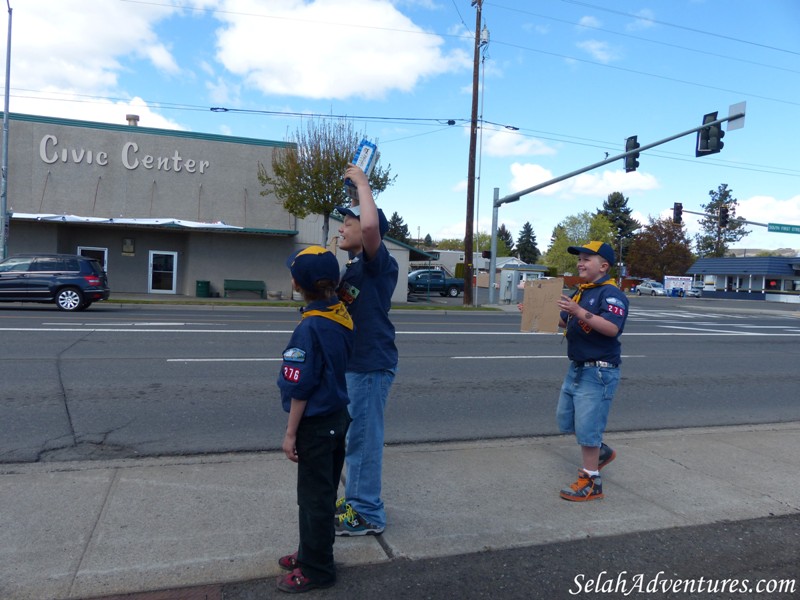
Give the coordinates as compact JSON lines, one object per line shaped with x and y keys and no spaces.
{"x":540,"y":312}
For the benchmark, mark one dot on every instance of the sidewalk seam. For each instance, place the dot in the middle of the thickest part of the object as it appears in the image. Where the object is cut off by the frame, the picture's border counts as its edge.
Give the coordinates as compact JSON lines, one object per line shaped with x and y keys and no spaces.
{"x":90,"y":538}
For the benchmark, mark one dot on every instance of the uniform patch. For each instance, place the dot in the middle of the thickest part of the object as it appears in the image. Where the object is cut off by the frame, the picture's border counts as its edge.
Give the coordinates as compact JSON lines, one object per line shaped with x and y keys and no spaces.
{"x":613,"y":300}
{"x":291,"y":373}
{"x":294,"y":355}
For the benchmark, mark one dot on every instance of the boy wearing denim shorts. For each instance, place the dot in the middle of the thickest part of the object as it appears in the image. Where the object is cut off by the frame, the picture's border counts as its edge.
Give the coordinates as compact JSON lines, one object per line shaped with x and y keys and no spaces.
{"x":314,"y":393}
{"x":593,"y":319}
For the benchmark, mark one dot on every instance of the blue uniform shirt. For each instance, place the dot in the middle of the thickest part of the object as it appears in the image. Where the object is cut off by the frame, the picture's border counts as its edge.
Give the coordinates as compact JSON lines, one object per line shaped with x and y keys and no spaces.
{"x":584,"y":344}
{"x":315,"y":360}
{"x":366,"y":289}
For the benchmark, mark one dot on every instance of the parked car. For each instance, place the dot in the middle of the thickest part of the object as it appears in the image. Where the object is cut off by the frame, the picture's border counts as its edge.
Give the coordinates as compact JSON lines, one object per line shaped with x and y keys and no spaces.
{"x":70,"y":281}
{"x":653,"y":288}
{"x":693,"y":292}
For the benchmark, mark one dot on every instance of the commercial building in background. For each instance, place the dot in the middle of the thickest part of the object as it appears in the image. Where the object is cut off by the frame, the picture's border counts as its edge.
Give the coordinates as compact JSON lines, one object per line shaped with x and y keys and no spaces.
{"x":164,"y":211}
{"x":773,"y":278}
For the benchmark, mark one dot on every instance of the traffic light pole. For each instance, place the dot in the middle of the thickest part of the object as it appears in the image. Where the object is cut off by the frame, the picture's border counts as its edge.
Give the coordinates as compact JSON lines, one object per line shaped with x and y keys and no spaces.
{"x":498,"y":202}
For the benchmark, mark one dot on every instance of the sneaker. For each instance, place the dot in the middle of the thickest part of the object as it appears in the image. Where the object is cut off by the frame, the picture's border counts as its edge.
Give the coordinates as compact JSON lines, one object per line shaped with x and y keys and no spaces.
{"x":342,"y":505}
{"x":607,"y":454}
{"x":351,"y":523}
{"x":586,"y":488}
{"x":288,"y":562}
{"x":297,"y":583}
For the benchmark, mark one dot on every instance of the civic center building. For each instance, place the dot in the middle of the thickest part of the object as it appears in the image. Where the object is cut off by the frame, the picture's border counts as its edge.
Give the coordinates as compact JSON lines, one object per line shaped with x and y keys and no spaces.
{"x":162,"y":210}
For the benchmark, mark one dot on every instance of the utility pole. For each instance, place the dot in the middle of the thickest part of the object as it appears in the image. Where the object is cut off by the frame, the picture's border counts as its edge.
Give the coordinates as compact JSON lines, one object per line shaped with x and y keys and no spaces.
{"x":473,"y":143}
{"x":4,"y":183}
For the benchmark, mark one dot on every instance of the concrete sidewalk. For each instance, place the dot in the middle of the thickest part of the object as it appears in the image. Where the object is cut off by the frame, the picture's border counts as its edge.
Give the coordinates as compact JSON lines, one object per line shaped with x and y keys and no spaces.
{"x":92,"y":529}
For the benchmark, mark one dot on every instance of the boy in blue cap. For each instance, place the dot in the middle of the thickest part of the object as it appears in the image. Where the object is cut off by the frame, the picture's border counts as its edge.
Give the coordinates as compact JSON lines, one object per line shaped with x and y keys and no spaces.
{"x":314,"y":393}
{"x":593,"y":319}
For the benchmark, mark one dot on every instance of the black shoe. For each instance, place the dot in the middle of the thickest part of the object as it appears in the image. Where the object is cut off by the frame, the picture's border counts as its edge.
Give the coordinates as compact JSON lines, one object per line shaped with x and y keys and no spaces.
{"x":607,"y":454}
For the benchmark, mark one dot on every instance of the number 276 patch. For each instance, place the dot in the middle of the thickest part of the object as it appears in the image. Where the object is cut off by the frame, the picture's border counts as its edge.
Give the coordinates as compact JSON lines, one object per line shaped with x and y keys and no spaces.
{"x":617,"y":310}
{"x":291,"y":374}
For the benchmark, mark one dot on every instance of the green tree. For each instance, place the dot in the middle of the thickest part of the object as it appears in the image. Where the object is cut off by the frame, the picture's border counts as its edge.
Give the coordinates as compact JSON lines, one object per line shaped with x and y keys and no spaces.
{"x":527,"y":251}
{"x":483,"y":241}
{"x":307,"y":178}
{"x":575,"y":231}
{"x":713,"y":241}
{"x":505,"y":235}
{"x":451,"y":244}
{"x":663,"y":248}
{"x":398,"y":230}
{"x":616,"y":210}
{"x":428,"y":241}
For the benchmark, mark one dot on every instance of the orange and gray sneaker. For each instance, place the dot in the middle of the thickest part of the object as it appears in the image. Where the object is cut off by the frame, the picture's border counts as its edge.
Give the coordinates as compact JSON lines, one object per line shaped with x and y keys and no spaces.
{"x":607,"y":454}
{"x":586,"y":488}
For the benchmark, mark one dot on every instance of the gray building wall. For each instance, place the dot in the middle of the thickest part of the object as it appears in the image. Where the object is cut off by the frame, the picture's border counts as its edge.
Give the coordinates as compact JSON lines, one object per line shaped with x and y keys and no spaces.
{"x":102,"y":171}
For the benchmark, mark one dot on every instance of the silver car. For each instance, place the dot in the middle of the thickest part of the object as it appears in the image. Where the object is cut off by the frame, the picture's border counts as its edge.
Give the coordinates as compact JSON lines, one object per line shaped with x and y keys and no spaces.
{"x":653,"y":288}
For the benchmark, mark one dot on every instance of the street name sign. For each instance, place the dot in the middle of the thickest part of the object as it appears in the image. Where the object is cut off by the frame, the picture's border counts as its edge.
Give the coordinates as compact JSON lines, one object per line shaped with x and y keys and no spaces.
{"x":781,"y":228}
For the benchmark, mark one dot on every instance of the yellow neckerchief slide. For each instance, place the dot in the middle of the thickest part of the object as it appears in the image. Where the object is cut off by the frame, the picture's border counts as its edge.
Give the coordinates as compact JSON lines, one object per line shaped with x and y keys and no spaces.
{"x":336,"y":313}
{"x":586,"y":286}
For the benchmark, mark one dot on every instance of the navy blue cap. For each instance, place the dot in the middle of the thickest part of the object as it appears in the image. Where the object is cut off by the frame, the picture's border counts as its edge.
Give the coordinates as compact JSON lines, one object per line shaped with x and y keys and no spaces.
{"x":599,"y":248}
{"x":355,"y":211}
{"x":312,"y":264}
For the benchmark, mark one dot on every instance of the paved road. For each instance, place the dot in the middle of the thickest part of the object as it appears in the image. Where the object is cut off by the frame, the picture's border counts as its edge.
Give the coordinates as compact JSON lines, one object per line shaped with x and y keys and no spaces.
{"x":141,"y":381}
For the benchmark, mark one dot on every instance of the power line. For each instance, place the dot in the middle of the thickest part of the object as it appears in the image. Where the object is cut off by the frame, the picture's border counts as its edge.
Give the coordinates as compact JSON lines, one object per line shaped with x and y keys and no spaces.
{"x":683,"y":27}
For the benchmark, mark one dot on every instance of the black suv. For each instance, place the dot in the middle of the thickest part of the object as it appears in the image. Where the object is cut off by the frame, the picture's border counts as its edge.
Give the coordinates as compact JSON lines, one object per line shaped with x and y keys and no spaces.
{"x":73,"y":282}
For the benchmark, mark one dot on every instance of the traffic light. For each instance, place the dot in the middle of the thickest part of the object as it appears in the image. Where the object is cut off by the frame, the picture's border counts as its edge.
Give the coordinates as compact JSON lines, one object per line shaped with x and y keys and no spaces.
{"x":631,"y":161}
{"x":677,"y":213}
{"x":486,"y":254}
{"x":723,"y":217}
{"x":709,"y":139}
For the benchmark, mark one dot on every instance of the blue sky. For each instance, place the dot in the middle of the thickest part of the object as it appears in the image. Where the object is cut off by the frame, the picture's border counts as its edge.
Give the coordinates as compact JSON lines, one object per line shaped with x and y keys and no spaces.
{"x":574,"y":77}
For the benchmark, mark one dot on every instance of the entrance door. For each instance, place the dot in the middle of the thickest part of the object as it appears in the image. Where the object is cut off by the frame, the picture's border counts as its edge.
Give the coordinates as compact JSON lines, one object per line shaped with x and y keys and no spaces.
{"x":163,"y":272}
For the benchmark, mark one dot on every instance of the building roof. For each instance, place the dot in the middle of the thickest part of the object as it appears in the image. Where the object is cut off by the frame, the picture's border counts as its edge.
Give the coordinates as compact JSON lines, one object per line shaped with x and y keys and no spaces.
{"x":758,"y":265}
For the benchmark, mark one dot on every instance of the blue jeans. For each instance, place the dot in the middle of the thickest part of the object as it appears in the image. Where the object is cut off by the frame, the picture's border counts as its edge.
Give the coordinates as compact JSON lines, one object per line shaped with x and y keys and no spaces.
{"x":585,"y":401}
{"x":364,"y":457}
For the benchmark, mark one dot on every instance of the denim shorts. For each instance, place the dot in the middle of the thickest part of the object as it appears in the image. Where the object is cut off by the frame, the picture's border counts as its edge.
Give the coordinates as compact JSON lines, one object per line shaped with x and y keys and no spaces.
{"x":585,"y":401}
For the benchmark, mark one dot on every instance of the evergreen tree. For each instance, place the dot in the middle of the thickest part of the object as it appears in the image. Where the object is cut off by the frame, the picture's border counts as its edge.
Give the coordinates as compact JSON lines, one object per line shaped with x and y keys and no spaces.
{"x":428,"y":241}
{"x":505,"y":235}
{"x":398,"y":230}
{"x":713,"y":240}
{"x":527,"y":251}
{"x":616,"y":210}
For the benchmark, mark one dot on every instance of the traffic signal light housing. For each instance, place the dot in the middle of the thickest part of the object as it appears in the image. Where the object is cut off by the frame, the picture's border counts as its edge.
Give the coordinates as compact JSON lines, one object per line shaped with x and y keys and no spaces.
{"x":631,"y":161}
{"x":723,"y":217}
{"x":486,"y":254}
{"x":709,"y":139}
{"x":677,"y":213}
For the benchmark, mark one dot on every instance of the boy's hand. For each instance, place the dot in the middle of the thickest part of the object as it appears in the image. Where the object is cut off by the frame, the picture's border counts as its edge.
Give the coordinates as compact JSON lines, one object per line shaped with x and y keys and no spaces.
{"x":356,"y":175}
{"x":290,"y":446}
{"x":568,"y":305}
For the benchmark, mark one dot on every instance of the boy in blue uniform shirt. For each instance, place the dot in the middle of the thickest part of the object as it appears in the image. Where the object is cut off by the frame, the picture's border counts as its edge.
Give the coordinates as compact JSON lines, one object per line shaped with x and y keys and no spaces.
{"x":593,"y":318}
{"x":314,"y":393}
{"x":366,"y":289}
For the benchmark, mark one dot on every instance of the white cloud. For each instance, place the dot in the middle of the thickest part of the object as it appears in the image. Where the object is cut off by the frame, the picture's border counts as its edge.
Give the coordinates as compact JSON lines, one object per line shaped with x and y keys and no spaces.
{"x":524,"y":176}
{"x":598,"y":50}
{"x":591,"y":22}
{"x":644,"y":22}
{"x":314,"y":50}
{"x":90,"y":39}
{"x":586,"y":184}
{"x":503,"y":142}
